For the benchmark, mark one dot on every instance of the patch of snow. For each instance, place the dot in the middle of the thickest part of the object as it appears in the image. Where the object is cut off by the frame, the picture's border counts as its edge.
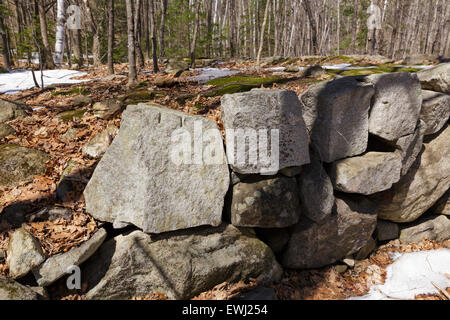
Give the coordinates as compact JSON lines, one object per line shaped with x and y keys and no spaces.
{"x":415,"y":66}
{"x":19,"y":80}
{"x":412,"y":274}
{"x":207,"y":74}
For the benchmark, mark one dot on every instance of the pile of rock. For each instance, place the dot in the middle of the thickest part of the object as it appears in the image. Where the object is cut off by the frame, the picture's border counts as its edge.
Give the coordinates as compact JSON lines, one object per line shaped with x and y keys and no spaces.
{"x":297,"y":182}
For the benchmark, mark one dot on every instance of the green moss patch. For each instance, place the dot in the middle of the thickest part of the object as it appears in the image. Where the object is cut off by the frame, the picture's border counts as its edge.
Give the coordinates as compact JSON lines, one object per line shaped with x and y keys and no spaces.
{"x":234,"y":84}
{"x":71,"y":114}
{"x":78,"y":91}
{"x":368,"y":71}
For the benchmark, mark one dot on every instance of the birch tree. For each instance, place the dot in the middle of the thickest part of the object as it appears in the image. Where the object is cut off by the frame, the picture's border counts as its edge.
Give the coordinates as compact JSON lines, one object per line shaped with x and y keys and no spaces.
{"x":60,"y":33}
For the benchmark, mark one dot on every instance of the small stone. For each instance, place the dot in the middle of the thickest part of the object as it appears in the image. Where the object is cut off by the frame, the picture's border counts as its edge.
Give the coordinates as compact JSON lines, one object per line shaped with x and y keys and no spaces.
{"x":12,"y":110}
{"x":24,"y":253}
{"x":6,"y":130}
{"x":82,"y":101}
{"x":349,"y":262}
{"x":19,"y":164}
{"x":56,"y":266}
{"x":107,"y":109}
{"x":96,"y":147}
{"x":70,"y":134}
{"x":436,"y":78}
{"x":432,"y":228}
{"x":12,"y":290}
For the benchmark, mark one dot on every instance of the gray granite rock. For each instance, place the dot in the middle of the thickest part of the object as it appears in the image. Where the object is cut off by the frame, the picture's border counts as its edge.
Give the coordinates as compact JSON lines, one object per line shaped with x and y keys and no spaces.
{"x":436,"y":78}
{"x":336,"y":115}
{"x":423,"y":185}
{"x":12,"y":290}
{"x":434,"y":228}
{"x":56,"y":266}
{"x":396,"y":105}
{"x":266,"y":203}
{"x":442,"y":206}
{"x":6,"y":130}
{"x":314,"y":245}
{"x":276,"y":113}
{"x":435,"y":110}
{"x":367,"y":174}
{"x":410,"y":146}
{"x":98,"y":145}
{"x":19,"y":164}
{"x":316,"y":191}
{"x":180,"y":264}
{"x":12,"y":110}
{"x":106,"y":109}
{"x":24,"y":253}
{"x":140,"y":180}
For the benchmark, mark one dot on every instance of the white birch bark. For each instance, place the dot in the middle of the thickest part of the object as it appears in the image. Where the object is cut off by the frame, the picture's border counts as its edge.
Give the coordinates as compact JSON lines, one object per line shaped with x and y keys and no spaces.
{"x":60,"y":33}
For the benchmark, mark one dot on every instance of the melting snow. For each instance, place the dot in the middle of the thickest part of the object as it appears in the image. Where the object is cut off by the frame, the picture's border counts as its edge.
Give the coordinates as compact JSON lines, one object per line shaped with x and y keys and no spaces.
{"x":207,"y":74}
{"x":19,"y":80}
{"x":412,"y":274}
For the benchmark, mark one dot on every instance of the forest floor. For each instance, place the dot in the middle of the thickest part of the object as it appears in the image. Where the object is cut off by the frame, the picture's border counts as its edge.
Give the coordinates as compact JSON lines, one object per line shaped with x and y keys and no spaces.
{"x":44,"y":129}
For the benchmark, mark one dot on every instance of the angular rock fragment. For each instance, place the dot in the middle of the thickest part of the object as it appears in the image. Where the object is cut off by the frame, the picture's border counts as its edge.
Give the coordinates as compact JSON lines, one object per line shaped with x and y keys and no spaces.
{"x":57,"y":266}
{"x":434,"y":228}
{"x":165,"y":171}
{"x":24,"y":253}
{"x":436,"y":78}
{"x":12,"y":290}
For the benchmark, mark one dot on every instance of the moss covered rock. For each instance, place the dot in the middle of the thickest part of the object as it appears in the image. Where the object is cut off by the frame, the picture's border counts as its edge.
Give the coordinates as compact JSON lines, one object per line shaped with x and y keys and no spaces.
{"x":11,"y":110}
{"x":19,"y":164}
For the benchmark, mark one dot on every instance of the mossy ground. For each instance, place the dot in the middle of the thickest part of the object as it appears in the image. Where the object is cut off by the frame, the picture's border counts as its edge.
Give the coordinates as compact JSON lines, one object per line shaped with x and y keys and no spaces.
{"x":368,"y":71}
{"x":71,"y":114}
{"x":234,"y":84}
{"x":78,"y":91}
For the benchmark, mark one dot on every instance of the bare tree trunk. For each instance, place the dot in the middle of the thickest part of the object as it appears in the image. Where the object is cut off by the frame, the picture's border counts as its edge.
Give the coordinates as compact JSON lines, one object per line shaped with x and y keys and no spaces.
{"x":312,"y":22}
{"x":60,"y":33}
{"x":261,"y":39}
{"x":132,"y":76}
{"x":194,"y":38}
{"x":47,"y":52}
{"x":137,"y":37}
{"x":5,"y":44}
{"x":110,"y":36}
{"x":153,"y":33}
{"x":162,"y":28}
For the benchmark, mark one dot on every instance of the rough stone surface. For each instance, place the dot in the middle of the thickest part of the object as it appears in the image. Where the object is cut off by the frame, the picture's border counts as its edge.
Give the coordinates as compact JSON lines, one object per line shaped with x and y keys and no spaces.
{"x":267,"y":110}
{"x":396,"y":104}
{"x":96,"y":147}
{"x":436,"y":79}
{"x":24,"y":253}
{"x":336,"y":114}
{"x":387,"y":230}
{"x":266,"y":203}
{"x":410,"y":146}
{"x":12,"y":290}
{"x":56,"y":266}
{"x":423,"y":185}
{"x":138,"y":182}
{"x":12,"y":110}
{"x":437,"y":228}
{"x":180,"y":265}
{"x":443,"y":204}
{"x":314,"y":245}
{"x":106,"y":109}
{"x":19,"y":164}
{"x":6,"y":130}
{"x":82,"y":101}
{"x":316,"y":191}
{"x":368,"y":174}
{"x":435,"y":110}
